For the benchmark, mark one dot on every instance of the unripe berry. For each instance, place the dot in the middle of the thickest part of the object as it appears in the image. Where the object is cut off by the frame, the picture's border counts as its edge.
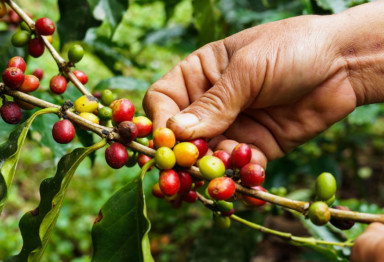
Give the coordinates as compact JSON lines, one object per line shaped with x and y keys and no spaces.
{"x":211,"y":167}
{"x":224,"y":156}
{"x":221,"y":188}
{"x":169,"y":182}
{"x":75,"y":53}
{"x":20,"y":38}
{"x":90,"y":117}
{"x":165,"y":158}
{"x":39,"y":73}
{"x":36,"y":47}
{"x":83,"y":78}
{"x":127,"y":131}
{"x":185,"y":182}
{"x":241,"y":155}
{"x":58,"y":84}
{"x":3,"y":9}
{"x":164,"y":137}
{"x":17,"y":61}
{"x":86,"y":104}
{"x":63,"y":131}
{"x":116,"y":155}
{"x":252,"y":201}
{"x":186,"y":154}
{"x":11,"y":113}
{"x":221,"y":222}
{"x":132,"y":158}
{"x":30,"y":84}
{"x":122,"y":110}
{"x":224,"y":206}
{"x":201,"y":145}
{"x":106,"y":97}
{"x":252,"y":175}
{"x":144,"y":126}
{"x":325,"y":186}
{"x":13,"y":77}
{"x":319,"y":213}
{"x":45,"y":26}
{"x":156,"y":191}
{"x":144,"y":141}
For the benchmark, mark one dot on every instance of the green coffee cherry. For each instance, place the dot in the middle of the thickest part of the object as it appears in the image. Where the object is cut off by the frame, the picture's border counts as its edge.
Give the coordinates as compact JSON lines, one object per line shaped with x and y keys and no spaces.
{"x":106,"y":97}
{"x":105,"y":113}
{"x":325,"y":186}
{"x":144,"y":141}
{"x":224,"y":206}
{"x":25,"y":27}
{"x":319,"y":213}
{"x":132,"y":158}
{"x":165,"y":158}
{"x":221,"y":222}
{"x":75,"y":53}
{"x":20,"y":38}
{"x":330,"y":201}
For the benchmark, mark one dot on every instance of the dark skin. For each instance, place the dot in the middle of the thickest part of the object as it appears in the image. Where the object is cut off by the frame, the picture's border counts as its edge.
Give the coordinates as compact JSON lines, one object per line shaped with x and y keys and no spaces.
{"x":277,"y":85}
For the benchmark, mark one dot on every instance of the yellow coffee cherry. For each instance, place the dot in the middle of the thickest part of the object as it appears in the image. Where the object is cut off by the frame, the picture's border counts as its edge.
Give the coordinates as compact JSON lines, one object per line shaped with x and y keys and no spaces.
{"x":89,"y":116}
{"x":87,"y":104}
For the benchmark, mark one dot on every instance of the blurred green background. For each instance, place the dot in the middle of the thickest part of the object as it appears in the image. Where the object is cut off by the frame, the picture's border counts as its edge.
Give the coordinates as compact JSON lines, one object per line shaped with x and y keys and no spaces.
{"x":127,"y":55}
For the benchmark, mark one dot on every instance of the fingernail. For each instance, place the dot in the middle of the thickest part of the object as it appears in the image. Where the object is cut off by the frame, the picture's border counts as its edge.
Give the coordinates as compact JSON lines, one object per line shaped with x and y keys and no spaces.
{"x":185,"y":119}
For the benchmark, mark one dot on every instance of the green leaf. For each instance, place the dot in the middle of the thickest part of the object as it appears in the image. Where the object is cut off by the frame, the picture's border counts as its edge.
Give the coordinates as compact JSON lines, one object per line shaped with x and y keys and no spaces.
{"x":335,"y":6}
{"x":75,"y":19}
{"x":37,"y":225}
{"x":121,"y":234}
{"x":111,"y":11}
{"x":122,"y":83}
{"x":86,"y":139}
{"x":10,"y":152}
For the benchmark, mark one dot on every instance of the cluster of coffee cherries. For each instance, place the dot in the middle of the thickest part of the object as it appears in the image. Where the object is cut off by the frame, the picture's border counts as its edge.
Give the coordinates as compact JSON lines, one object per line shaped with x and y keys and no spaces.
{"x":15,"y":78}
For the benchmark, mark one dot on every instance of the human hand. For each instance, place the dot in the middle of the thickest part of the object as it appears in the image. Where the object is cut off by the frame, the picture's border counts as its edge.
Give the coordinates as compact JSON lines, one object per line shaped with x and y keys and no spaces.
{"x":274,"y":86}
{"x":369,"y":246}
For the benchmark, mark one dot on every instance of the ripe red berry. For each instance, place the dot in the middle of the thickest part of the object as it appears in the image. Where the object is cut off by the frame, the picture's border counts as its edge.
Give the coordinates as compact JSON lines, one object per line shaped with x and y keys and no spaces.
{"x":123,"y":110}
{"x":252,"y":201}
{"x":201,"y":145}
{"x":45,"y":26}
{"x":17,"y":61}
{"x":252,"y":175}
{"x":144,"y":126}
{"x":13,"y":77}
{"x":142,"y":159}
{"x":58,"y":84}
{"x":221,"y":188}
{"x":30,"y":84}
{"x":223,"y":156}
{"x":241,"y":155}
{"x":97,"y":94}
{"x":83,"y":78}
{"x":190,"y":196}
{"x":63,"y":131}
{"x":39,"y":73}
{"x":228,"y":213}
{"x":185,"y":182}
{"x":11,"y":113}
{"x":116,"y":155}
{"x":198,"y":184}
{"x":127,"y":131}
{"x":156,"y":191}
{"x":36,"y":47}
{"x":169,"y":182}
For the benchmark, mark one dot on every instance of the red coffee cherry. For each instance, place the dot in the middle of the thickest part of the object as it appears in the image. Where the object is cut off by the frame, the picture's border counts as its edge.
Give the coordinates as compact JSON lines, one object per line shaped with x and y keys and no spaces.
{"x":11,"y":113}
{"x":45,"y":26}
{"x":252,"y":201}
{"x":83,"y":78}
{"x":18,"y":62}
{"x":144,"y":126}
{"x":185,"y":182}
{"x":143,"y":159}
{"x":252,"y":175}
{"x":164,"y":137}
{"x":63,"y":131}
{"x":39,"y":73}
{"x":58,"y":84}
{"x":116,"y":155}
{"x":150,"y":143}
{"x":221,"y":188}
{"x":223,"y":156}
{"x":13,"y":77}
{"x":127,"y":131}
{"x":241,"y":155}
{"x":228,"y":213}
{"x":201,"y":145}
{"x":36,"y":47}
{"x":30,"y":84}
{"x":122,"y":110}
{"x":156,"y":191}
{"x":198,"y":184}
{"x":169,"y":182}
{"x":190,"y":197}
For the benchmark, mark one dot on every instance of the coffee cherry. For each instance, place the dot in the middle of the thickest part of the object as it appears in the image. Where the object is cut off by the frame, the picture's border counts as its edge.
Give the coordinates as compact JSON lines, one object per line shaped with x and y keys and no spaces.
{"x":132,"y":158}
{"x":143,"y":159}
{"x":11,"y":113}
{"x":127,"y":131}
{"x":330,"y":201}
{"x":116,"y":155}
{"x":97,"y":94}
{"x":106,"y":97}
{"x":3,"y":9}
{"x":325,"y":186}
{"x":228,"y":213}
{"x":144,"y":141}
{"x":13,"y":77}
{"x":17,"y":61}
{"x":24,"y":26}
{"x":185,"y":182}
{"x":252,"y":175}
{"x":90,"y":117}
{"x":150,"y":143}
{"x":186,"y":154}
{"x":169,"y":182}
{"x":211,"y":167}
{"x":198,"y":184}
{"x":165,"y":158}
{"x":75,"y":53}
{"x":36,"y":47}
{"x":164,"y":137}
{"x":58,"y":84}
{"x":105,"y":113}
{"x":122,"y":110}
{"x":86,"y":104}
{"x":30,"y":84}
{"x":24,"y":105}
{"x":224,"y":156}
{"x":20,"y":38}
{"x":221,"y":188}
{"x":221,"y":222}
{"x":14,"y":17}
{"x":319,"y":213}
{"x":175,"y":201}
{"x":156,"y":191}
{"x":83,"y":78}
{"x":63,"y":131}
{"x":342,"y":224}
{"x":252,"y":201}
{"x":144,"y":126}
{"x":190,"y":197}
{"x":45,"y":26}
{"x":49,"y":38}
{"x":201,"y":145}
{"x":241,"y":155}
{"x":224,"y":206}
{"x":39,"y":73}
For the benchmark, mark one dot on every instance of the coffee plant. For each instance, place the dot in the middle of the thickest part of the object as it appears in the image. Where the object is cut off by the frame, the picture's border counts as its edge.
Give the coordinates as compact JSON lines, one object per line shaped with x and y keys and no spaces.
{"x":180,"y":172}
